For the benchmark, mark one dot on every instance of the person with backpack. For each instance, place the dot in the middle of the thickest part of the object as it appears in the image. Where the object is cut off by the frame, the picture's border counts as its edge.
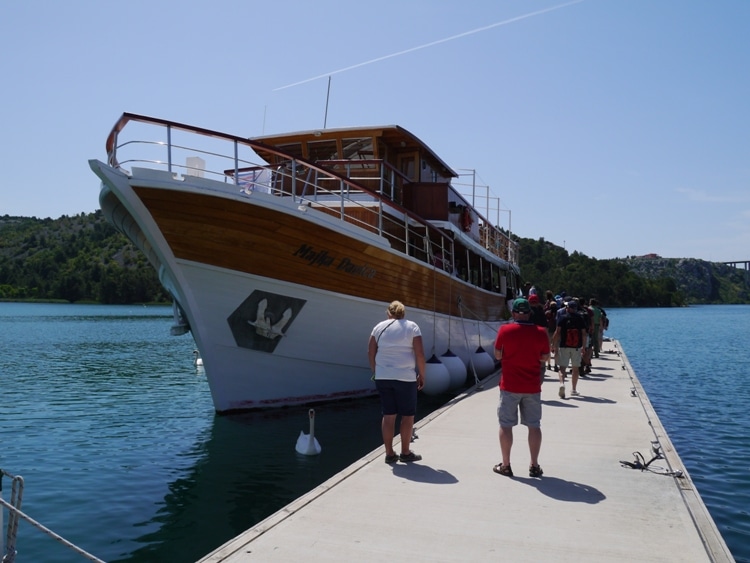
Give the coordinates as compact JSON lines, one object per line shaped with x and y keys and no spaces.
{"x":537,"y":312}
{"x":597,"y":325}
{"x":567,"y":341}
{"x":550,"y":312}
{"x":585,"y":311}
{"x":539,"y":318}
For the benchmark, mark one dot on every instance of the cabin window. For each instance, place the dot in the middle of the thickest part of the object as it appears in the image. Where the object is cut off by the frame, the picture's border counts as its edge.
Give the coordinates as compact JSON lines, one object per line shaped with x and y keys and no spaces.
{"x":295,"y":149}
{"x":496,"y":280}
{"x":357,"y":149}
{"x":407,"y":165}
{"x":474,"y":277}
{"x":322,"y":150}
{"x":428,"y":174}
{"x":486,"y":275}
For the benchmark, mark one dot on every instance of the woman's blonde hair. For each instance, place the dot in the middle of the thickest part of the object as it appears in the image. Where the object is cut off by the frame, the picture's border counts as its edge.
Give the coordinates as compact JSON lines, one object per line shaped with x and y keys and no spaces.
{"x":397,"y":310}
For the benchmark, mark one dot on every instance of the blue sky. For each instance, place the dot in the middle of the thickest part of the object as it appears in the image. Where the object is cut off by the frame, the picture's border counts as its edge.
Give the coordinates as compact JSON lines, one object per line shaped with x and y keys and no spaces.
{"x":610,"y":127}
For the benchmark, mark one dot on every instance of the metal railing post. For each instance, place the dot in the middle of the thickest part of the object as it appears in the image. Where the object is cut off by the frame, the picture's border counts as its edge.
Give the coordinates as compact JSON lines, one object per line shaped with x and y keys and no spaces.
{"x":294,"y":181}
{"x":407,"y":238}
{"x":237,"y":164}
{"x":169,"y":148}
{"x":112,"y":156}
{"x":342,"y":186}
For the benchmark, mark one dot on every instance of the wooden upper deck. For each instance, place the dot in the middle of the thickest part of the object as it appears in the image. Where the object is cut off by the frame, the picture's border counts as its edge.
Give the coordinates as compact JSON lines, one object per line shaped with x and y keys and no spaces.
{"x":391,"y":143}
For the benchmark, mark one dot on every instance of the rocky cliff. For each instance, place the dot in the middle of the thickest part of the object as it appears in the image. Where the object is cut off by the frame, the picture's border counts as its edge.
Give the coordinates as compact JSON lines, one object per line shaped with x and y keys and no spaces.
{"x":698,"y":280}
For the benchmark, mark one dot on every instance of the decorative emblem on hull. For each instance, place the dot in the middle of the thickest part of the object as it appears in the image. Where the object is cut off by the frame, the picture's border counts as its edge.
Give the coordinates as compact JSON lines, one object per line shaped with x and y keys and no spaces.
{"x":262,"y":319}
{"x":263,"y":325}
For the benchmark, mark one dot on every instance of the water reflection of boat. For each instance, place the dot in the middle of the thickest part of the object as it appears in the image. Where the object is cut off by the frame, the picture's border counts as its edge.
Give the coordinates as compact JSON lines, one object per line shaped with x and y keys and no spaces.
{"x":248,"y":469}
{"x":282,"y":251}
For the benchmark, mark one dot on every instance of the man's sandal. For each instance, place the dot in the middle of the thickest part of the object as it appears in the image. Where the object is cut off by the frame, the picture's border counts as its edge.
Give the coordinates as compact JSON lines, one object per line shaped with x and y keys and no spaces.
{"x":535,"y":471}
{"x":503,"y":470}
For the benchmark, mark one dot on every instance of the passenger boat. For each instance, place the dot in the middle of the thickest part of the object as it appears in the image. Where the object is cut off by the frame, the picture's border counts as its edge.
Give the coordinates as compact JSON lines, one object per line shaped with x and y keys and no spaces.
{"x":281,"y":252}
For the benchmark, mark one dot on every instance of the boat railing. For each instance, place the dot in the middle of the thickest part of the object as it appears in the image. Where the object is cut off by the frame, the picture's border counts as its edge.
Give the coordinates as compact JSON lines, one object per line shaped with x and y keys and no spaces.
{"x":365,"y":193}
{"x":378,"y":175}
{"x":8,"y":550}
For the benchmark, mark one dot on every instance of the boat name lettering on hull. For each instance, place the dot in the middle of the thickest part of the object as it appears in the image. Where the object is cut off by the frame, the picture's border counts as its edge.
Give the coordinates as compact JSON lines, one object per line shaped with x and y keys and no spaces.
{"x":314,"y":258}
{"x":322,"y":258}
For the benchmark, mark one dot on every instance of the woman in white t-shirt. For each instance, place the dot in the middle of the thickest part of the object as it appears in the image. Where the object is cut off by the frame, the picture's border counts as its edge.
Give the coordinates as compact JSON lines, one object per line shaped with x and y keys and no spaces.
{"x":397,"y":362}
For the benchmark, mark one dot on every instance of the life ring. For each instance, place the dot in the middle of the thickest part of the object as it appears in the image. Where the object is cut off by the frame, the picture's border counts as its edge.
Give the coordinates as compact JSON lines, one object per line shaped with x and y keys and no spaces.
{"x":466,"y":220}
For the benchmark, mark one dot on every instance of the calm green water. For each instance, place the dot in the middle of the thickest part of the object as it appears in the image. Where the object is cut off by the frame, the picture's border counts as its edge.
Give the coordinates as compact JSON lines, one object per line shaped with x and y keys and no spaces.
{"x":113,"y":429}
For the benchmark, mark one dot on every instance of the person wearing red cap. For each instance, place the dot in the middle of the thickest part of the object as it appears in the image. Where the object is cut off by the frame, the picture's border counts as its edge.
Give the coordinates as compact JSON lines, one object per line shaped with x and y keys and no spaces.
{"x":540,"y":319}
{"x":537,"y":312}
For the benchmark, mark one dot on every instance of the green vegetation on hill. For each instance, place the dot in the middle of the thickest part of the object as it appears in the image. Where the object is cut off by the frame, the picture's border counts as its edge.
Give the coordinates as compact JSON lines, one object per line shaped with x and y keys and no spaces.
{"x":80,"y":258}
{"x":632,"y":282}
{"x":83,"y":258}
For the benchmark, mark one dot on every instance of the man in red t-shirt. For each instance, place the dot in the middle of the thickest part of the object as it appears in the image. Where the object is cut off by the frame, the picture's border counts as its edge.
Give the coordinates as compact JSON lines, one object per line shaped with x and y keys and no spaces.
{"x":522,"y":346}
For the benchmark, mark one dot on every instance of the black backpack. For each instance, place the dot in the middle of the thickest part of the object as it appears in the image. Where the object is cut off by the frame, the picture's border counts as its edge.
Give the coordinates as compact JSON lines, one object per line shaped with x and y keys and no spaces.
{"x":550,"y":311}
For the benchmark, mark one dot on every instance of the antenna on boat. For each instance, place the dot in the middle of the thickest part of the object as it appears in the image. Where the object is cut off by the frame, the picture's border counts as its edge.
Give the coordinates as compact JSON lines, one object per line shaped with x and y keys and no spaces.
{"x":328,"y":96}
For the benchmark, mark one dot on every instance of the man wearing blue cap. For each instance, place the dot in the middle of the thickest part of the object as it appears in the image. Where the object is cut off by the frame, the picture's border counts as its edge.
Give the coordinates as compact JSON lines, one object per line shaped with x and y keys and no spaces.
{"x":523,"y":348}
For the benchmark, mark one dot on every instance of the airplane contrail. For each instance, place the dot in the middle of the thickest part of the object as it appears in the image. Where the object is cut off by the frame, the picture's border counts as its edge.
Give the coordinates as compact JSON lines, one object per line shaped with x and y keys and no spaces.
{"x":473,"y":31}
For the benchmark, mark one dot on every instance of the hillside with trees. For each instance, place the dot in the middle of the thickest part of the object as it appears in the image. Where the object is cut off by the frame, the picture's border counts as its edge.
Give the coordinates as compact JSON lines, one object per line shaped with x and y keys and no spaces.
{"x":84,"y":259}
{"x":80,"y":258}
{"x":647,"y":281}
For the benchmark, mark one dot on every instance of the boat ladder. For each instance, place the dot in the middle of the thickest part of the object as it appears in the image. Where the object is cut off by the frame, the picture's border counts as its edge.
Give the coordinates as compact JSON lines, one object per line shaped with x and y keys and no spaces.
{"x":8,"y":541}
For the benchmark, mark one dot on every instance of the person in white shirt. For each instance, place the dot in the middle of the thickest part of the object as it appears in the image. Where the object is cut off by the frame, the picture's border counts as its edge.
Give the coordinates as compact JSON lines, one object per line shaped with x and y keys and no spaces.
{"x":397,"y":363}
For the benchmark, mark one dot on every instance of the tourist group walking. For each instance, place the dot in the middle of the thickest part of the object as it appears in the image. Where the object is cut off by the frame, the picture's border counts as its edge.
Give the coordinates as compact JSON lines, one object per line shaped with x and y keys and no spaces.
{"x":562,"y":329}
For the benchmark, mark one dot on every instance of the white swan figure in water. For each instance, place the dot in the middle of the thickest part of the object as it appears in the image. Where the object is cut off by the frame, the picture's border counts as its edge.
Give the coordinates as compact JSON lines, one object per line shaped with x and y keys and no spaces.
{"x":197,"y":360}
{"x":307,"y":444}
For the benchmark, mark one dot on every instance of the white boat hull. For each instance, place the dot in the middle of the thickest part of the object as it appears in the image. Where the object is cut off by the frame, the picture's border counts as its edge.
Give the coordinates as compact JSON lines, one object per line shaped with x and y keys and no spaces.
{"x":323,"y":353}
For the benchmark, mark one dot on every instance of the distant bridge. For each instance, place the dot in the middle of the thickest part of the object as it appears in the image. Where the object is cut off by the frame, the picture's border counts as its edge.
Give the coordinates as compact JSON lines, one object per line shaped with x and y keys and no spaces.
{"x":745,"y":264}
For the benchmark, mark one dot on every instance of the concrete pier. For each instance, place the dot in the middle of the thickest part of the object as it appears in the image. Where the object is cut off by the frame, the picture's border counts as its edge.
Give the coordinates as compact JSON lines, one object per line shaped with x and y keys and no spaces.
{"x":451,"y":506}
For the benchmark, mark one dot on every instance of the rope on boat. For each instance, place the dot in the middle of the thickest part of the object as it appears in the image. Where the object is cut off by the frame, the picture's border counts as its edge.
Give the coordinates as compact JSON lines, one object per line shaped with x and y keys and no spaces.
{"x":466,"y":338}
{"x":476,"y":316}
{"x":14,"y":511}
{"x":15,"y":499}
{"x":431,"y":258}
